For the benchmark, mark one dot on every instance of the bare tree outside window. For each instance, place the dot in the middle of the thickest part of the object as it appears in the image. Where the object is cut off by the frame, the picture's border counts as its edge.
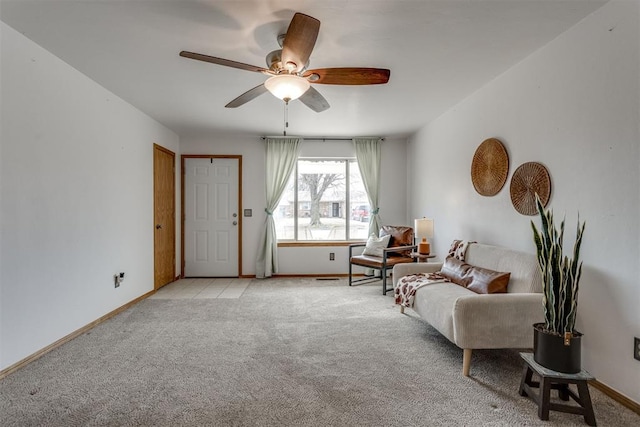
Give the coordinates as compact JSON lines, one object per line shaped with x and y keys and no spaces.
{"x":316,"y":184}
{"x":320,"y":201}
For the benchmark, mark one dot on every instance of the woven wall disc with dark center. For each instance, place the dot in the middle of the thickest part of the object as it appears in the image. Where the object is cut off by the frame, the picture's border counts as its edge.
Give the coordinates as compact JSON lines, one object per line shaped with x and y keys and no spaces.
{"x":490,"y":167}
{"x":530,"y":178}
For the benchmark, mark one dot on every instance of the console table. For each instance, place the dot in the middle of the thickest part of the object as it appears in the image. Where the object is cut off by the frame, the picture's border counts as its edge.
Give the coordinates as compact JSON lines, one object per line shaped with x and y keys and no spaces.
{"x":557,"y":381}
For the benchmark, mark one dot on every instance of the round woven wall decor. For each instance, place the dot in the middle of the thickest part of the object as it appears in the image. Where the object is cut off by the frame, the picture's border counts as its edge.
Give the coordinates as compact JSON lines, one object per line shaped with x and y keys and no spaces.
{"x":530,"y":178}
{"x":490,"y":167}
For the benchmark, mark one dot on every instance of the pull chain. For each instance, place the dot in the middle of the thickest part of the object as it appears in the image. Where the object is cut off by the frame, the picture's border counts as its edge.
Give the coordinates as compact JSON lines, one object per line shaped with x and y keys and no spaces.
{"x":286,"y":117}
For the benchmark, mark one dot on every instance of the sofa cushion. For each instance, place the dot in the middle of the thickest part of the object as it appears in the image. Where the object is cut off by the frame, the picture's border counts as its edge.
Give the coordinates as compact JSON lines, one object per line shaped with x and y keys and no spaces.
{"x":525,"y":273}
{"x":455,"y":271}
{"x":375,"y":245}
{"x":477,"y":279}
{"x":485,"y":281}
{"x":435,"y":303}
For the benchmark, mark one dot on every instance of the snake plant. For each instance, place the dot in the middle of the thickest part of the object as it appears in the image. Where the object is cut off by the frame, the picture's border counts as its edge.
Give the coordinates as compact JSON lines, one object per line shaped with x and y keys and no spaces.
{"x":560,"y":274}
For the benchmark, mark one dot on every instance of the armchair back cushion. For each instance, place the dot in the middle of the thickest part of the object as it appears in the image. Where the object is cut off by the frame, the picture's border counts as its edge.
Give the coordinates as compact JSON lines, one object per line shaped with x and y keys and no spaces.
{"x":400,"y":236}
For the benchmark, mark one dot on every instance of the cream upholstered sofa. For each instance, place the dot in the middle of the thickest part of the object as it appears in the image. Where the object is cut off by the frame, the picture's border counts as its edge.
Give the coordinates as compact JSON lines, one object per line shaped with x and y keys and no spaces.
{"x":482,"y":321}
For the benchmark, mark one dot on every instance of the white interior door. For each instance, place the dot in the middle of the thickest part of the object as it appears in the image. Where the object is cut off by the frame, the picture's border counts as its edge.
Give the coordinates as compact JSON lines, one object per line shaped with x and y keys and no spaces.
{"x":211,"y":217}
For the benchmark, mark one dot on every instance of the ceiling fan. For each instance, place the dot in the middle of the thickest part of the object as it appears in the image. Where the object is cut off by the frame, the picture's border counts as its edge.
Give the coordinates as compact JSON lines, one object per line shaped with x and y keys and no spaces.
{"x":287,"y":67}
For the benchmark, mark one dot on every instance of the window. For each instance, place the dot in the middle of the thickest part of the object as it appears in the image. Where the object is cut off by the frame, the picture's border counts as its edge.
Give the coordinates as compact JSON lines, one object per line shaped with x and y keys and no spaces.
{"x":324,"y":200}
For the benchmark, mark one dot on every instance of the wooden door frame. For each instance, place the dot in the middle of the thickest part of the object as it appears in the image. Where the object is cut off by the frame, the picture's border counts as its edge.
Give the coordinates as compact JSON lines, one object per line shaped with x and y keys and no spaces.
{"x":182,"y":203}
{"x":173,"y":267}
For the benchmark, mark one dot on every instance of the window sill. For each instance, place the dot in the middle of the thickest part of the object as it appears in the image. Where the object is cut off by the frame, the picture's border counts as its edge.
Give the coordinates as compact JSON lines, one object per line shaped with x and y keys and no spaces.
{"x":318,"y":243}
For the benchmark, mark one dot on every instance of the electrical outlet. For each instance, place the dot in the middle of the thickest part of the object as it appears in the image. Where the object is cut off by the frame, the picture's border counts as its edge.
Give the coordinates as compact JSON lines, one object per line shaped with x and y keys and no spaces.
{"x":636,"y":348}
{"x":332,"y":256}
{"x":117,"y":279}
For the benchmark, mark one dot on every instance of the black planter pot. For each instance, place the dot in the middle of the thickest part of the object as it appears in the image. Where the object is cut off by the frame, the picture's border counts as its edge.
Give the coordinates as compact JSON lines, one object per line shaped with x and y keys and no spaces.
{"x":550,"y":351}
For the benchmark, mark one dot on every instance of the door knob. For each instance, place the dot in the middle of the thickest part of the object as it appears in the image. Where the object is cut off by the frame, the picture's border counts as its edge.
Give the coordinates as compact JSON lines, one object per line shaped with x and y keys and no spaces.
{"x":235,"y":215}
{"x":235,"y":222}
{"x":158,"y":226}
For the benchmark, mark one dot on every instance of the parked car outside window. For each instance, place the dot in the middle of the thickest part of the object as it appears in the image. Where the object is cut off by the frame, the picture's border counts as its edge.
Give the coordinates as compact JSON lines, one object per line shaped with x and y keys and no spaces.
{"x":360,"y":213}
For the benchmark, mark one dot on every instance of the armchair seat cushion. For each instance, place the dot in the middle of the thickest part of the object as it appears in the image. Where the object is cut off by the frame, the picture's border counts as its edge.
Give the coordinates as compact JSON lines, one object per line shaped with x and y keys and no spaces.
{"x":376,"y":262}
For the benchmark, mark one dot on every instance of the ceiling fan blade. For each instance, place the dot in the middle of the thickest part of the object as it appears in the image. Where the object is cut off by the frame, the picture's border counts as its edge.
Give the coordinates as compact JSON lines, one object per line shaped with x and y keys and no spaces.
{"x":348,"y":76}
{"x":312,"y":99}
{"x":247,"y":96}
{"x":299,"y":41}
{"x":221,"y":61}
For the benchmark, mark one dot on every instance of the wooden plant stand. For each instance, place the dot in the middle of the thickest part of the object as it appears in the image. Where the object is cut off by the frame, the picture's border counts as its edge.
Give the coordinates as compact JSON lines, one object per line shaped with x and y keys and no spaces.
{"x":552,"y":380}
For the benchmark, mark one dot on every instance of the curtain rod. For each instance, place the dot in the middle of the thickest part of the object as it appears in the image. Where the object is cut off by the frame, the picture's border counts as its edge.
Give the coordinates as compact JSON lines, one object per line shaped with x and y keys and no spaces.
{"x":319,"y":138}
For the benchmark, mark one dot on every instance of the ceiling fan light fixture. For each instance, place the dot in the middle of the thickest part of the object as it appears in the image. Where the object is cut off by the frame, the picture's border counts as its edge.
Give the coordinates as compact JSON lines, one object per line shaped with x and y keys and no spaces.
{"x":287,"y":86}
{"x":291,"y":80}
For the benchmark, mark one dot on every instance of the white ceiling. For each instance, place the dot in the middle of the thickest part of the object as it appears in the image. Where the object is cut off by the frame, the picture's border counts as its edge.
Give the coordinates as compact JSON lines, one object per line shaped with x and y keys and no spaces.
{"x":438,"y":52}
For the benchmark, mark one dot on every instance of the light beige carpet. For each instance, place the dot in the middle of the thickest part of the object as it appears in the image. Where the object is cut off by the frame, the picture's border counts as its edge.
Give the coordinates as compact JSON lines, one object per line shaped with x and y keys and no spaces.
{"x":286,"y":353}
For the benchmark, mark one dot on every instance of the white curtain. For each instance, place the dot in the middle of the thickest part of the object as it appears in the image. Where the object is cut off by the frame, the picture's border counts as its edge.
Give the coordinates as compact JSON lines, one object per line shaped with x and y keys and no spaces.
{"x":368,"y":156}
{"x":282,"y":154}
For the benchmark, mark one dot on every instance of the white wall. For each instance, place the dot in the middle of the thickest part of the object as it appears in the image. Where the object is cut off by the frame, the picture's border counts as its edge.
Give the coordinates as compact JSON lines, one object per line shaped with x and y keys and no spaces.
{"x":77,"y":199}
{"x":573,"y":106}
{"x":301,"y":260}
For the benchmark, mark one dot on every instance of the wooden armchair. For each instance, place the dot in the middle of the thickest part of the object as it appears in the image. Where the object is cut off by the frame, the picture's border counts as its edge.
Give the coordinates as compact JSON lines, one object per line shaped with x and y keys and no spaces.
{"x":398,"y":251}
